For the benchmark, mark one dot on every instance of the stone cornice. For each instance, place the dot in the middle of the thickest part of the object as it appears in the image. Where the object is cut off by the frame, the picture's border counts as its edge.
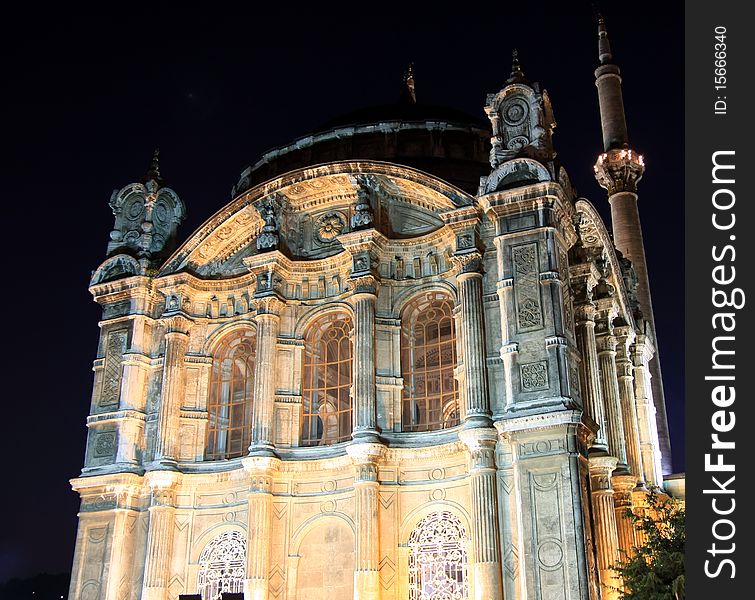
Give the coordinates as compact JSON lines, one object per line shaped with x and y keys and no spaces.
{"x":221,"y":235}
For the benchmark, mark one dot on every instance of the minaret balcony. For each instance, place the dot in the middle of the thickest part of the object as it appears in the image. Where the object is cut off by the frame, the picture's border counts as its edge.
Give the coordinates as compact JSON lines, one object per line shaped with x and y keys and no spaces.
{"x":619,"y":170}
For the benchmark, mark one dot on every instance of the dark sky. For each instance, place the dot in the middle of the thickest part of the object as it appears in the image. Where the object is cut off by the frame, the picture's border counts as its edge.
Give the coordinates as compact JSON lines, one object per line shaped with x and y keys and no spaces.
{"x":89,"y":94}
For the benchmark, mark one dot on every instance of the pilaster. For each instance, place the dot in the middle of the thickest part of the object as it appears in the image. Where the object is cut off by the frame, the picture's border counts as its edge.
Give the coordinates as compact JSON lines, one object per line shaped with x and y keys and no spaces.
{"x":162,"y":512}
{"x":486,"y":550}
{"x":260,"y":470}
{"x":543,"y":528}
{"x":366,"y":458}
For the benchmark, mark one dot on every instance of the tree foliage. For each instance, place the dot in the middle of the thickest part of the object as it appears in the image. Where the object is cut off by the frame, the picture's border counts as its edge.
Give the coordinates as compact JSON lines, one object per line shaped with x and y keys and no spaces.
{"x":656,"y":570}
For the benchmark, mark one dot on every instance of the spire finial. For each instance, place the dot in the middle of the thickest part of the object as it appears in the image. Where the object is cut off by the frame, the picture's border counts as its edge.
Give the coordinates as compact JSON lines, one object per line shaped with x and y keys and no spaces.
{"x":409,"y":95}
{"x":153,"y":173}
{"x":604,"y":47}
{"x":517,"y":75}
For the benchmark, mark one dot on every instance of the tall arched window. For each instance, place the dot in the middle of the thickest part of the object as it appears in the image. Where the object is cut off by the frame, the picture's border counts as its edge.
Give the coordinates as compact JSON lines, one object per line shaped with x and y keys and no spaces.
{"x":438,"y":558}
{"x":229,"y":405}
{"x":326,"y":384}
{"x":222,"y":566}
{"x":428,"y":360}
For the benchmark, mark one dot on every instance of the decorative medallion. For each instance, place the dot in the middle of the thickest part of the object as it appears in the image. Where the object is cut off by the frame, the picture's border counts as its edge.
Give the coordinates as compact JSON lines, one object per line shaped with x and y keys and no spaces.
{"x":329,"y":226}
{"x":515,"y":112}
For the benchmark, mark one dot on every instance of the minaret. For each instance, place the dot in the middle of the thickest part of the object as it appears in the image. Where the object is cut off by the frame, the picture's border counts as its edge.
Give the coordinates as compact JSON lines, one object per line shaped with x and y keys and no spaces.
{"x":618,"y":170}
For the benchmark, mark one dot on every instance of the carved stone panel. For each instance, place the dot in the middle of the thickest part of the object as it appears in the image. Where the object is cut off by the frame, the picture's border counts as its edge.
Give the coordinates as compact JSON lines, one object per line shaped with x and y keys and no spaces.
{"x":529,"y":313}
{"x":113,"y":371}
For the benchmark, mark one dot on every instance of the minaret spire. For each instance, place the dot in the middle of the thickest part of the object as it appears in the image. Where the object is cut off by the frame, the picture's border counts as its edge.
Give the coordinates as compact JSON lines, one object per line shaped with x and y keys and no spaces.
{"x":608,"y":82}
{"x":604,"y":46}
{"x":619,"y":169}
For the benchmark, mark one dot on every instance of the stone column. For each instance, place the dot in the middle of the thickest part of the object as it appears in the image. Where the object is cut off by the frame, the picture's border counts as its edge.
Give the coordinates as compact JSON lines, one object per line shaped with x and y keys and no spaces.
{"x":486,"y":550}
{"x":365,"y":391}
{"x":622,"y":500}
{"x":173,"y":388}
{"x":610,"y":388}
{"x":267,"y":318}
{"x":469,"y":281}
{"x":162,"y":513}
{"x":624,"y":337}
{"x":260,"y":470}
{"x":366,"y":457}
{"x":509,"y":347}
{"x":590,"y":374}
{"x":641,"y":354}
{"x":604,"y":519}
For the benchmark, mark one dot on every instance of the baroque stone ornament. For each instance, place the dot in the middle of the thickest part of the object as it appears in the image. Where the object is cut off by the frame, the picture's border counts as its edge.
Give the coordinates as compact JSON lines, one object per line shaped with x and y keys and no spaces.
{"x":534,"y":376}
{"x":527,"y":286}
{"x":329,"y":226}
{"x":268,"y":238}
{"x":363,"y":217}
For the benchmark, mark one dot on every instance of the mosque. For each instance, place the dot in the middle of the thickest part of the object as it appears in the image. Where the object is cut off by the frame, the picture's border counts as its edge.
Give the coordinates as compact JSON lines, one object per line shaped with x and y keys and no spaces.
{"x":405,"y":361}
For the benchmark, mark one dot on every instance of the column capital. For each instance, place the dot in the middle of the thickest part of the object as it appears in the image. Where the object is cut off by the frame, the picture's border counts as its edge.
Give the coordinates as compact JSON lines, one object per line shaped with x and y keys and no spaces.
{"x":585,"y":313}
{"x":162,"y":485}
{"x":605,"y":343}
{"x":268,"y":306}
{"x":601,"y":466}
{"x":363,"y":285}
{"x":625,"y":335}
{"x":481,"y":444}
{"x":366,"y":457}
{"x":467,"y":264}
{"x":624,"y":484}
{"x":260,"y":470}
{"x":177,"y":323}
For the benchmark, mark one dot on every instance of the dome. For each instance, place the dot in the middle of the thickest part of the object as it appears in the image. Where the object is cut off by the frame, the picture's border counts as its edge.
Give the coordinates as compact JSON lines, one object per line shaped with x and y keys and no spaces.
{"x":442,"y":141}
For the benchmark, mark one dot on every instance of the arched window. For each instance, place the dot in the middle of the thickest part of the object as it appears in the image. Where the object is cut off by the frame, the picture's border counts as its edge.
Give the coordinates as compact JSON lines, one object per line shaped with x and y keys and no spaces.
{"x":229,"y":405}
{"x":438,"y":558}
{"x":428,"y":360}
{"x":326,"y":384}
{"x":222,"y":566}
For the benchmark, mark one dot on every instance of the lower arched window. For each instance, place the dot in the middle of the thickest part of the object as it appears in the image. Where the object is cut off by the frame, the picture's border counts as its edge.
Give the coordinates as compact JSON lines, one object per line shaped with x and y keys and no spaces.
{"x":438,"y":559}
{"x":428,"y":360}
{"x":229,"y":405}
{"x":222,"y":566}
{"x":326,"y":381}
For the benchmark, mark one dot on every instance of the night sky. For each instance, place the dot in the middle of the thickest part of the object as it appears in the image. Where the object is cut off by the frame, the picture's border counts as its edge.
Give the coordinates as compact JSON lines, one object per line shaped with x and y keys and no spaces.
{"x":89,"y":95}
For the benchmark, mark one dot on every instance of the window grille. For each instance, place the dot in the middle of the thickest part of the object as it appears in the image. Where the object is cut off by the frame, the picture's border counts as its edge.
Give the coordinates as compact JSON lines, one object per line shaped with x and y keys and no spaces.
{"x":222,"y":566}
{"x":438,"y":559}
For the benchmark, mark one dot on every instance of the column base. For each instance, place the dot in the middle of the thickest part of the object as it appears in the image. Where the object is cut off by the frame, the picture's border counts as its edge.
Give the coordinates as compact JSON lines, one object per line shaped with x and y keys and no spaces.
{"x":154,"y":593}
{"x":369,"y":436}
{"x":366,"y":585}
{"x":487,"y":581}
{"x":263,"y":450}
{"x":163,"y":464}
{"x":255,"y":589}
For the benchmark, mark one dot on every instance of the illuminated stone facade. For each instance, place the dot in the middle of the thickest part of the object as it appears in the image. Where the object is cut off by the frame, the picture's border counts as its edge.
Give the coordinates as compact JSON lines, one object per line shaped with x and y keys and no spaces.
{"x":358,"y":380}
